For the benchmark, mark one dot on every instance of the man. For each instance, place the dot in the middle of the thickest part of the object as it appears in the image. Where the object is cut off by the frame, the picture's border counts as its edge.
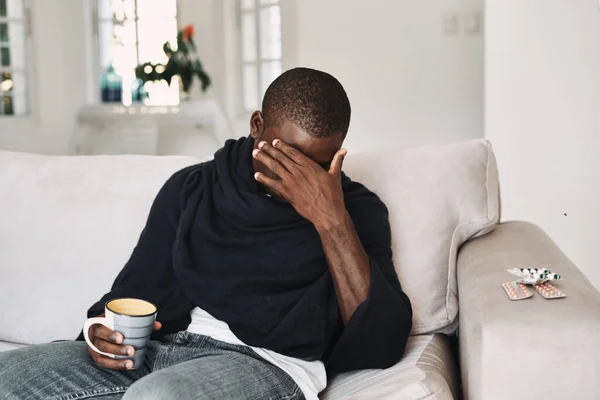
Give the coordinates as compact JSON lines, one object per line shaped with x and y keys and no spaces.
{"x":270,"y":269}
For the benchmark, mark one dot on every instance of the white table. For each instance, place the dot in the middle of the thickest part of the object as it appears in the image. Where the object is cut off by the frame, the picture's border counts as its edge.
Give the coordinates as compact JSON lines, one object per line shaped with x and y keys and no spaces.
{"x":195,"y":128}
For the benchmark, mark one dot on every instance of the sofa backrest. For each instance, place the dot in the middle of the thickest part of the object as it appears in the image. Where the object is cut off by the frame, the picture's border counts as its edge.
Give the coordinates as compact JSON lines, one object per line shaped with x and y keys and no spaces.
{"x":438,"y":197}
{"x":67,"y":226}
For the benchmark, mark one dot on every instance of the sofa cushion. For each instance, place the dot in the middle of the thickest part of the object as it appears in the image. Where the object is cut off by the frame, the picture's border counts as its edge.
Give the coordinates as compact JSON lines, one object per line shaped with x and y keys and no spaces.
{"x":67,"y":227}
{"x":427,"y":371}
{"x":438,"y":197}
{"x":7,"y":346}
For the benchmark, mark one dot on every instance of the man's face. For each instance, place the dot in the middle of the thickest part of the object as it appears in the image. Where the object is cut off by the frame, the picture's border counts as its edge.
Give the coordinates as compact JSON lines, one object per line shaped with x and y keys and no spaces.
{"x":320,"y":150}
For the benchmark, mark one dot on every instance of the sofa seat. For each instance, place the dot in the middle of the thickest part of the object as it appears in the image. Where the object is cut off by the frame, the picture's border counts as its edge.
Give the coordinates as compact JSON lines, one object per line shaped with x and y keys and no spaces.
{"x":427,"y":371}
{"x":6,"y":346}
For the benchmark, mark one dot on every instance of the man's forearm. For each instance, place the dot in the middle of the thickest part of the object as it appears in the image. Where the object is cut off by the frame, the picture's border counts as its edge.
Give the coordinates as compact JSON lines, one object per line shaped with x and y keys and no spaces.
{"x":348,"y":263}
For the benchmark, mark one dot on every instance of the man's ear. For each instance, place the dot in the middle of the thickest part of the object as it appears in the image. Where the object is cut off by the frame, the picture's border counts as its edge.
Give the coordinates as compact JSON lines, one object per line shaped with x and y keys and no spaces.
{"x":257,"y":124}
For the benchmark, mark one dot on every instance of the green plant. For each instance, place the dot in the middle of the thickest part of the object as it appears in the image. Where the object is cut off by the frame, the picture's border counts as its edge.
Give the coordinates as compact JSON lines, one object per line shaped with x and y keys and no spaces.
{"x":183,"y":61}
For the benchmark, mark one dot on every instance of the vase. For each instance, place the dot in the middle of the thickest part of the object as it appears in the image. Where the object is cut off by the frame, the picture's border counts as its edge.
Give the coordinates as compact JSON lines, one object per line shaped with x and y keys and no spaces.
{"x":138,"y":92}
{"x":111,"y":86}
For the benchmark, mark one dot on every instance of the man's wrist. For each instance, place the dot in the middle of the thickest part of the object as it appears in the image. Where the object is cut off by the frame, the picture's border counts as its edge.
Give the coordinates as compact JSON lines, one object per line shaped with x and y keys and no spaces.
{"x":333,"y":222}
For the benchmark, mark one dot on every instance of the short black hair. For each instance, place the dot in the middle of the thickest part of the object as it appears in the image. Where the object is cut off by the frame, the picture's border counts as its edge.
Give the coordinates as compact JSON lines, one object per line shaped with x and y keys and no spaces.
{"x":314,"y":100}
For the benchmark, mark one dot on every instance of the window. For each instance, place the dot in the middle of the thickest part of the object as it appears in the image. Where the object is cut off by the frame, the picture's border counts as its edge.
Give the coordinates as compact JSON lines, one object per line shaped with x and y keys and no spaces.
{"x":13,"y":75}
{"x":260,"y":49}
{"x":132,"y":32}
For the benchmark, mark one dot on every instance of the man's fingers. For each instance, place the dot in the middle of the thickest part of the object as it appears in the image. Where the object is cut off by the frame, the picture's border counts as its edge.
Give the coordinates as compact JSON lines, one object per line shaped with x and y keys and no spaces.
{"x":296,"y":155}
{"x":102,"y":332}
{"x":336,"y":164}
{"x":270,"y":162}
{"x":278,"y":156}
{"x":110,"y":363}
{"x":273,"y":184}
{"x":157,"y":325}
{"x":112,"y":348}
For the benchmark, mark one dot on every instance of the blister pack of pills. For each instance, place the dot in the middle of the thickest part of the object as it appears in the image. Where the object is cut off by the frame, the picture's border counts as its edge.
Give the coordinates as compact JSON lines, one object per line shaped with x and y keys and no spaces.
{"x":538,"y":278}
{"x":549,"y":291}
{"x":534,"y":276}
{"x":516,"y":290}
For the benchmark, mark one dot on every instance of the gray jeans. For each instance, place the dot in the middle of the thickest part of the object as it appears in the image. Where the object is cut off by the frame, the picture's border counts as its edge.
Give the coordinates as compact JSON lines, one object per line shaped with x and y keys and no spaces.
{"x":183,"y":366}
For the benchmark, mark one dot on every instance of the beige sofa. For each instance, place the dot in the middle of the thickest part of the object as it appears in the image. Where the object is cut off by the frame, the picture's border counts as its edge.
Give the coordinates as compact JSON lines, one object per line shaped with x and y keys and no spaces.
{"x":68,"y":224}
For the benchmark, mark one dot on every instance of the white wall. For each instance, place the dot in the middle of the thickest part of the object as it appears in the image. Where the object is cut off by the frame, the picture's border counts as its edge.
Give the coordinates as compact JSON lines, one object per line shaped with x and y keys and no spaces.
{"x":408,"y":83}
{"x":543,"y":117}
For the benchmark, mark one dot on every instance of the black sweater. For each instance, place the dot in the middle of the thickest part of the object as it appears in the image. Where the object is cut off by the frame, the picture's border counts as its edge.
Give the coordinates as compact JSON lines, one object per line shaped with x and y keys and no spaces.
{"x":214,"y":240}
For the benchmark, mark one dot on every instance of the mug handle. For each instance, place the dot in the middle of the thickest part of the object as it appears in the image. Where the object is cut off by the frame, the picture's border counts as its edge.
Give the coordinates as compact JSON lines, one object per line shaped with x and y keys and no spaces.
{"x":86,"y":327}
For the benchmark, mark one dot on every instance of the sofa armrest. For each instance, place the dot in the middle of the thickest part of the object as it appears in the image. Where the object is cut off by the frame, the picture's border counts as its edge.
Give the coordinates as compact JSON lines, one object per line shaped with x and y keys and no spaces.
{"x":528,"y":349}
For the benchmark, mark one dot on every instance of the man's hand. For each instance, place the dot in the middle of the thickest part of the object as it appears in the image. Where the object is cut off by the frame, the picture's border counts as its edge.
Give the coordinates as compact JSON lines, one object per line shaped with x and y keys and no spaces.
{"x":314,"y":192}
{"x":109,"y":341}
{"x":317,"y":195}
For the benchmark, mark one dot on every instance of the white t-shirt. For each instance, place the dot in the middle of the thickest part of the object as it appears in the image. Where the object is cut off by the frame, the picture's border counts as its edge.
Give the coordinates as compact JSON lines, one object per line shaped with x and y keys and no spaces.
{"x":310,"y":376}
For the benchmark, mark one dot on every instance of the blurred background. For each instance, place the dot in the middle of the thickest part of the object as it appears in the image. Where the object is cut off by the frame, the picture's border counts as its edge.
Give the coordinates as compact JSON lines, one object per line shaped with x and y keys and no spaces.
{"x":413,"y":70}
{"x":182,"y":76}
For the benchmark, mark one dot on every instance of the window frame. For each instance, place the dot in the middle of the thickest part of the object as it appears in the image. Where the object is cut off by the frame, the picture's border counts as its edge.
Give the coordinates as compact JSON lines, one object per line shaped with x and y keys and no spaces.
{"x":97,"y":68}
{"x":27,"y":61}
{"x":259,"y":61}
